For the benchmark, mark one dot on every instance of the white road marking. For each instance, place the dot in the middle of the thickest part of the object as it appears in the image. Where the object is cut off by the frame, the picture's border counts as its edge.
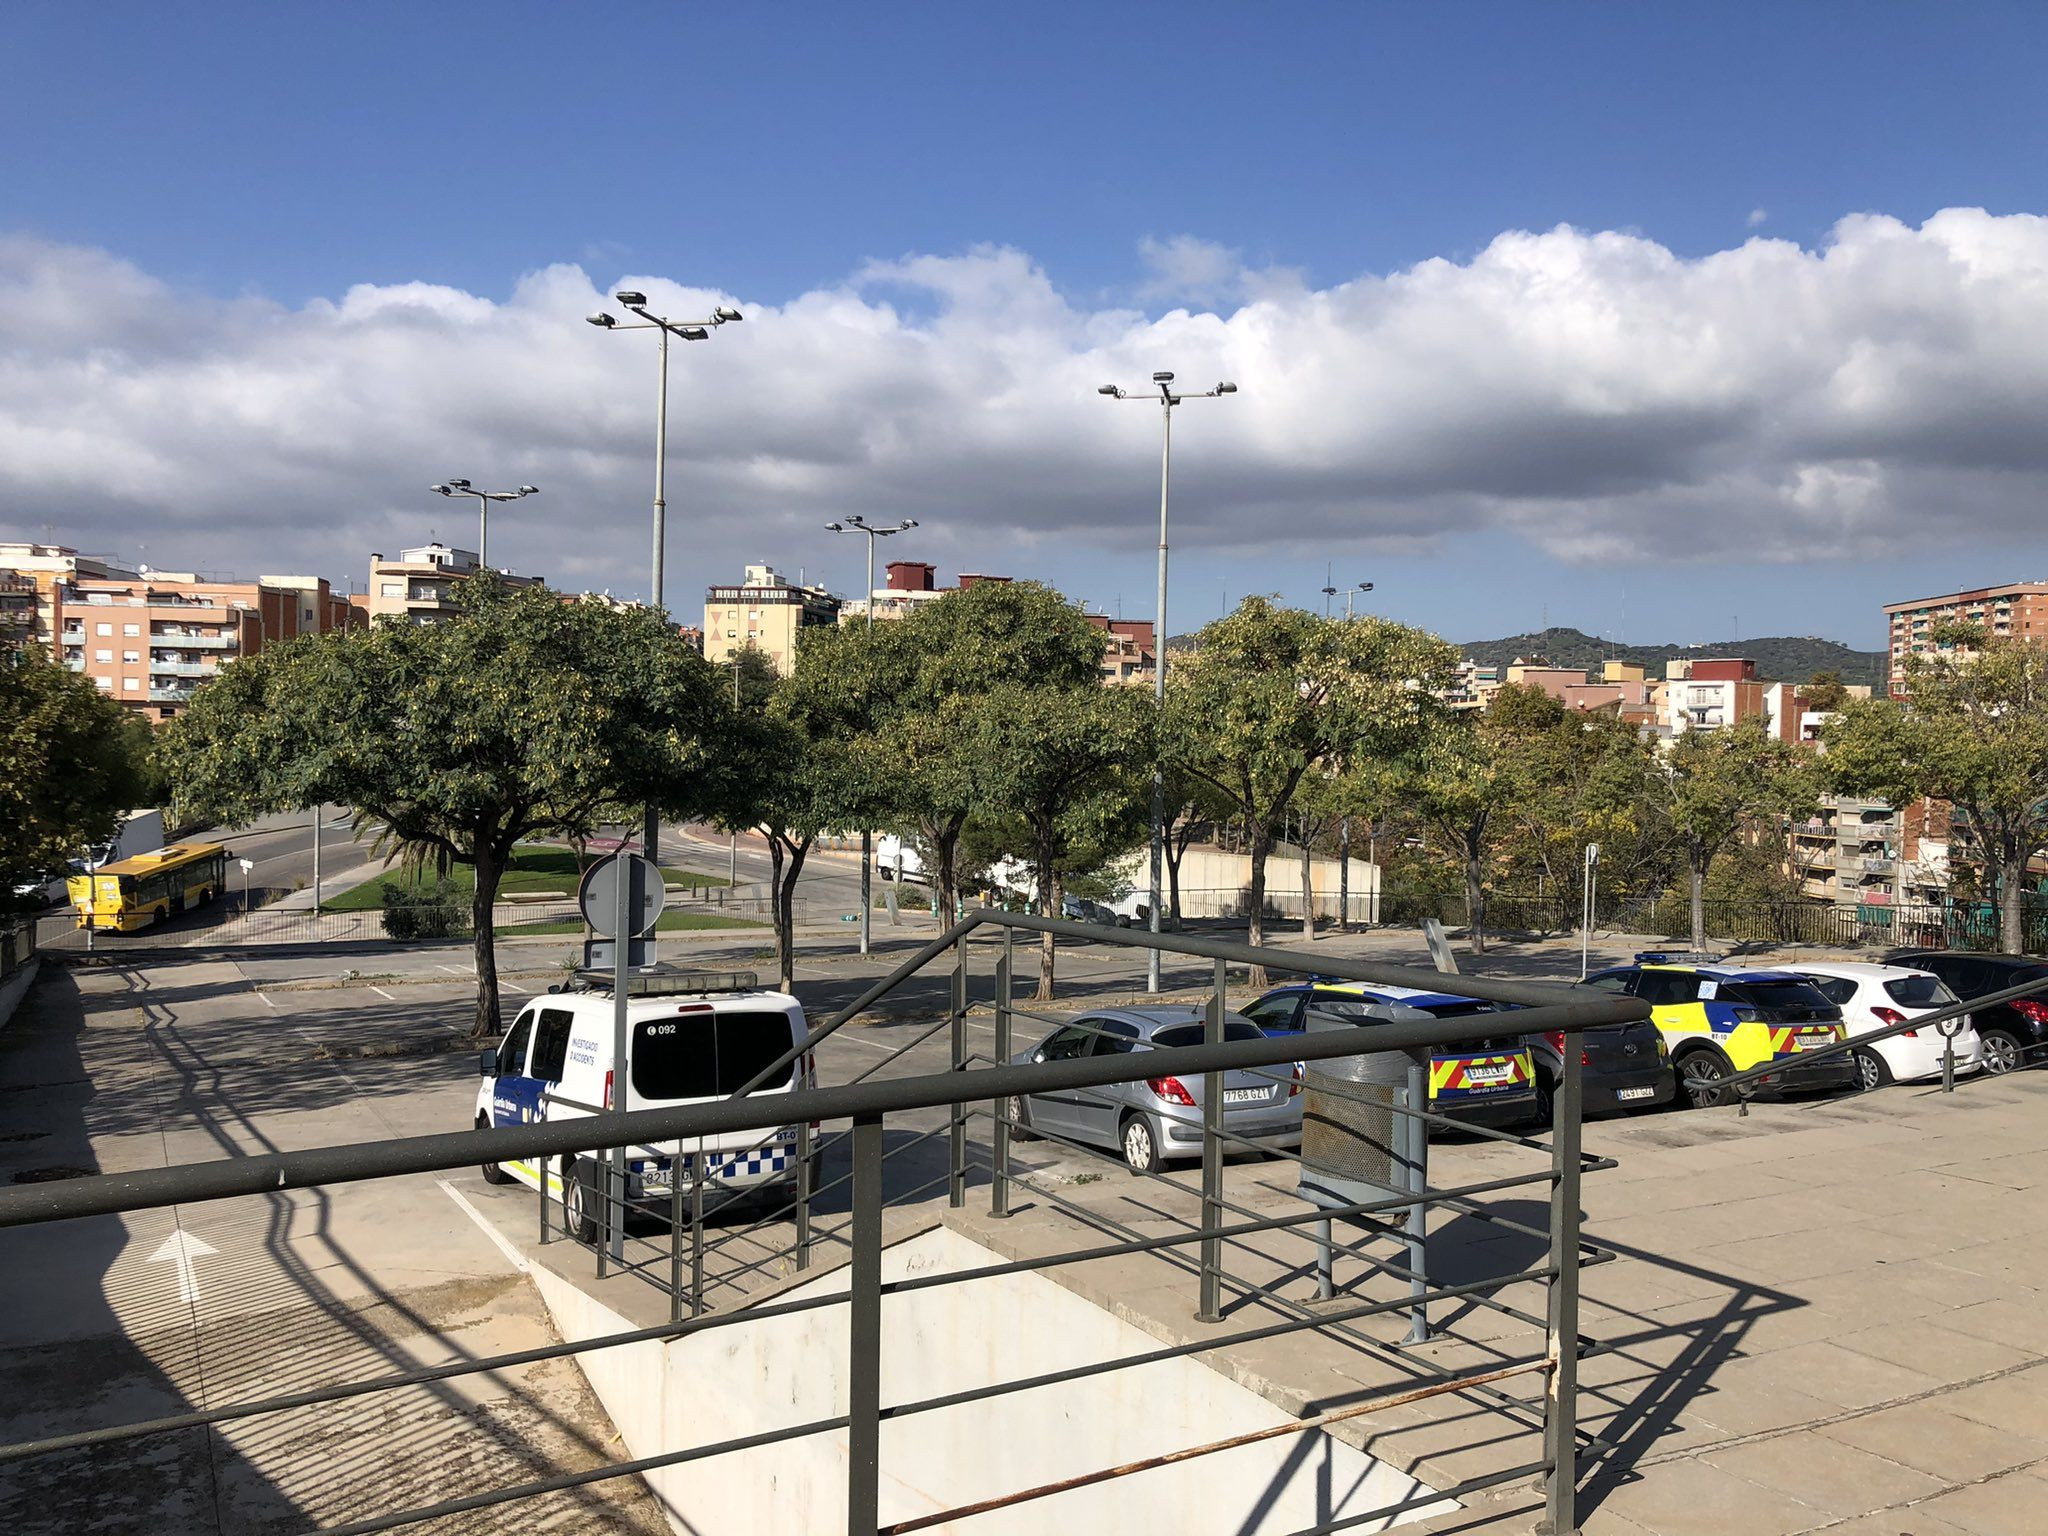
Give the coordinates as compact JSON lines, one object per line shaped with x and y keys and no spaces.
{"x":873,"y":1045}
{"x":455,"y":970}
{"x":266,"y":1001}
{"x":512,"y":1254}
{"x":383,"y":994}
{"x":506,"y":986}
{"x":182,"y":1248}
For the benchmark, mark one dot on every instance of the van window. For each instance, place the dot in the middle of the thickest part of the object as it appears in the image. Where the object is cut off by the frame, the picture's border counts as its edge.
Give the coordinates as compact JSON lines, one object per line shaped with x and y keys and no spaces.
{"x":707,"y":1056}
{"x":512,"y":1054}
{"x":551,"y":1044}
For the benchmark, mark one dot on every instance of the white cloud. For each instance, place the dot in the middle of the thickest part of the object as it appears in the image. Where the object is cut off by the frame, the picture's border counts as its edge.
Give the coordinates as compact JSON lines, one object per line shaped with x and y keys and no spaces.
{"x":1757,"y":216}
{"x":1188,"y":269}
{"x":1591,"y":393}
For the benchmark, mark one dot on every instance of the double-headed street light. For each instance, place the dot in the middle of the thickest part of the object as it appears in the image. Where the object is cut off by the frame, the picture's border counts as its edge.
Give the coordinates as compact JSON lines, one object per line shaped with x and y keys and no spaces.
{"x":483,"y":511}
{"x":1168,"y":399}
{"x":688,"y":330}
{"x":1349,"y":593}
{"x":857,"y":524}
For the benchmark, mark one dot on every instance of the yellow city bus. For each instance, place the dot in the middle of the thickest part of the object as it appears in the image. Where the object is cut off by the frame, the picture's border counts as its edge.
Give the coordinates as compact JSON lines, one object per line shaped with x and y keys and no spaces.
{"x":135,"y":892}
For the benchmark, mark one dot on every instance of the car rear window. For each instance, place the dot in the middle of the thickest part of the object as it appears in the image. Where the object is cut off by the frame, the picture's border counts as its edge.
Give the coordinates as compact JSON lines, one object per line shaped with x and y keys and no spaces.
{"x":1919,"y":991}
{"x":1195,"y":1034}
{"x":1774,"y":994}
{"x":708,"y":1056}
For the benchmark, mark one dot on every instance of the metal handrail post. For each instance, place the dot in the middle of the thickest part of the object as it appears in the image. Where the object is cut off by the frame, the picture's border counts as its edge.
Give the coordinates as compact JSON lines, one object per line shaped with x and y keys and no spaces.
{"x":540,"y":1168}
{"x":999,"y":1158}
{"x":803,"y":1194}
{"x":675,"y":1236}
{"x":1561,"y":1402}
{"x":1210,"y":1310}
{"x":956,"y":1139}
{"x":1948,"y":1062}
{"x":864,"y":1334}
{"x":1415,"y":1163}
{"x":697,"y":1233}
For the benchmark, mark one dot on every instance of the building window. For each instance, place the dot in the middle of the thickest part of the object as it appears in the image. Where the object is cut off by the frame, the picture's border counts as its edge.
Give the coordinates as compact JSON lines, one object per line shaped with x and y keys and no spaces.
{"x":131,"y":629}
{"x":102,"y":655}
{"x":105,"y":682}
{"x":394,"y":589}
{"x":104,"y":629}
{"x":131,"y":684}
{"x":131,"y":655}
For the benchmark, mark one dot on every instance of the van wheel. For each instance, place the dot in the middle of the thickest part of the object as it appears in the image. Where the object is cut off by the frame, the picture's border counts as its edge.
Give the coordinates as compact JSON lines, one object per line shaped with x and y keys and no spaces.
{"x":579,"y":1202}
{"x":493,"y":1174}
{"x":1699,"y":1079}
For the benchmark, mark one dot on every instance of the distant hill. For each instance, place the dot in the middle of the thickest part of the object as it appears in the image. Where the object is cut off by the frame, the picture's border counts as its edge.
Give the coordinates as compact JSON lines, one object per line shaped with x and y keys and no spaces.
{"x":1778,"y":658}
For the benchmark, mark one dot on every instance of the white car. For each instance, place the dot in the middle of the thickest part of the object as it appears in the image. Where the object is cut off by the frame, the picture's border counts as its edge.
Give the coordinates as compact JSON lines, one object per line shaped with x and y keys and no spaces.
{"x":1874,"y":997}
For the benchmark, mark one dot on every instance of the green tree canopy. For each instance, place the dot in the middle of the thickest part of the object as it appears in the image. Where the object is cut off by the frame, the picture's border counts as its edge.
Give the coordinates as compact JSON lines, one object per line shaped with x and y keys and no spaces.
{"x":1973,"y":731}
{"x":1270,"y":692}
{"x":525,"y":715}
{"x":71,"y":762}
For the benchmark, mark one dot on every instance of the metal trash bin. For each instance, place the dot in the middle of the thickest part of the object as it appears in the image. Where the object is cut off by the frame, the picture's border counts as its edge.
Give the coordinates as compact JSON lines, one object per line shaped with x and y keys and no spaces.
{"x":1356,"y":1146}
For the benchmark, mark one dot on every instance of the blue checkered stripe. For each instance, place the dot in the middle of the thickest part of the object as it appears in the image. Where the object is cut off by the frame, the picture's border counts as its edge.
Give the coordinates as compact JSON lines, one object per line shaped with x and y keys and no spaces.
{"x":774,"y":1157}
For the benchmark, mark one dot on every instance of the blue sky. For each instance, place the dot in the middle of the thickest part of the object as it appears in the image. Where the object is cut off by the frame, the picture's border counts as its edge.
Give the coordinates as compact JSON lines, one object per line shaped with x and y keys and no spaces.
{"x":249,"y":161}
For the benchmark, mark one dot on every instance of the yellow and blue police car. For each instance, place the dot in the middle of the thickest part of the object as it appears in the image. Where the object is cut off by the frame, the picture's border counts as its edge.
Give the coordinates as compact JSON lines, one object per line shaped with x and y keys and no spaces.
{"x":1719,"y":1020}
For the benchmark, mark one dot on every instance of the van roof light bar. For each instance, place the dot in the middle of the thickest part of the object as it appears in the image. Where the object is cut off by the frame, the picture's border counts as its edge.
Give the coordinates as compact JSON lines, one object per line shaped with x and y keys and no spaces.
{"x":660,"y":981}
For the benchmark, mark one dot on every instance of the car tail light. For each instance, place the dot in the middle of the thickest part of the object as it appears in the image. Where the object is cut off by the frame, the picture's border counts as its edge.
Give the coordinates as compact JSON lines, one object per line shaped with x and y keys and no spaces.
{"x":810,"y":1069}
{"x":1171,"y":1089}
{"x":1889,"y":1016}
{"x":607,"y":1090}
{"x":2031,"y":1011}
{"x":1294,"y":1080}
{"x":1556,"y":1039}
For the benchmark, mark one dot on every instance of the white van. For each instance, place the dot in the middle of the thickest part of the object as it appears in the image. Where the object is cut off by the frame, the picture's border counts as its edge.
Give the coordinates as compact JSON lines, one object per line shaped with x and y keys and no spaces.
{"x":693,"y":1038}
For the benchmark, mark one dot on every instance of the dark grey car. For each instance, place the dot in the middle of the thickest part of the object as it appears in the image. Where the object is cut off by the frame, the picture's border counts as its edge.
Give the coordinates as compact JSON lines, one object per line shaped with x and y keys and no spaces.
{"x":1153,"y":1120}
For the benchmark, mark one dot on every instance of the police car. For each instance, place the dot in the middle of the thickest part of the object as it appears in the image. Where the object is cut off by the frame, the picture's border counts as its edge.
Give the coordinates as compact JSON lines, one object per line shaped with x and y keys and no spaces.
{"x":1719,"y":1020}
{"x":1486,"y":1082}
{"x":692,"y":1037}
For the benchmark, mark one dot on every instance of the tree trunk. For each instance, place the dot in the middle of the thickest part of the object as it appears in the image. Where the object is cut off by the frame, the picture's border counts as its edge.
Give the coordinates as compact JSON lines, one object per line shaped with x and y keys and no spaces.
{"x":1258,"y":843}
{"x":1048,"y":906}
{"x":483,"y":942}
{"x":1174,"y":854}
{"x":785,"y":907}
{"x":1475,"y":901}
{"x":1308,"y":894}
{"x":1698,"y":869}
{"x":945,"y":878}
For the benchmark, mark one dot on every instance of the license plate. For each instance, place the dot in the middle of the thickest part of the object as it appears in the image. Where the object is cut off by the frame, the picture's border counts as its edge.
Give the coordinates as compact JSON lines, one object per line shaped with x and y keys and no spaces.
{"x":1243,"y":1095}
{"x":1814,"y":1040}
{"x":1635,"y":1093}
{"x":1487,"y":1077}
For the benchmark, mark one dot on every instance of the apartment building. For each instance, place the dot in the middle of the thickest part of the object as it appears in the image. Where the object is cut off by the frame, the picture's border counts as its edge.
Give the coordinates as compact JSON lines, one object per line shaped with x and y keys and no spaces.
{"x":1856,"y":850}
{"x":766,"y":612}
{"x":419,"y":586}
{"x":1128,"y":652}
{"x":2017,"y":610}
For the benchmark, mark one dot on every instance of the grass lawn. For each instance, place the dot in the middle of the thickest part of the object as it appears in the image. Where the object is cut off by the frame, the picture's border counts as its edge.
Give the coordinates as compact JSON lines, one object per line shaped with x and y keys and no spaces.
{"x":671,"y":922}
{"x":535,"y":867}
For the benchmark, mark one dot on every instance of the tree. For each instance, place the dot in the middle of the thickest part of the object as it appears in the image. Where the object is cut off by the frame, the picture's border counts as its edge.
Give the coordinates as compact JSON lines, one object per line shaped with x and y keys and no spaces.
{"x":1191,"y":804}
{"x":1269,"y":693}
{"x":1971,"y":730}
{"x":1717,"y":785}
{"x":523,"y":715}
{"x":1460,"y":782}
{"x":71,"y":762}
{"x":1825,"y":692}
{"x":1070,"y":770}
{"x":961,"y":647}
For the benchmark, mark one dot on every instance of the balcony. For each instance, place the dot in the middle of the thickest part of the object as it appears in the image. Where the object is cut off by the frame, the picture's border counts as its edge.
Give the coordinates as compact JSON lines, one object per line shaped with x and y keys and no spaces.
{"x":170,"y":695}
{"x":191,"y":642}
{"x":160,"y":668}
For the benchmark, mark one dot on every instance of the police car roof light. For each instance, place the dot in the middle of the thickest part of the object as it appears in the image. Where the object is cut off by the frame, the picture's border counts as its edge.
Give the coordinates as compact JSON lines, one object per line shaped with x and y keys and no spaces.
{"x":1676,"y":957}
{"x":662,"y":981}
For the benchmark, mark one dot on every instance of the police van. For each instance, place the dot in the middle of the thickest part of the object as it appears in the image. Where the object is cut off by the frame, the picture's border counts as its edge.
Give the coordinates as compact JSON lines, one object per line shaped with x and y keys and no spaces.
{"x":692,"y":1038}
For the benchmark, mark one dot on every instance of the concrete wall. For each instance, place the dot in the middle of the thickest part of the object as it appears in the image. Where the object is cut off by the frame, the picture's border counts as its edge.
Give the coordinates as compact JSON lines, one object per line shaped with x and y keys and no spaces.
{"x":1212,"y":880}
{"x":752,"y":1377}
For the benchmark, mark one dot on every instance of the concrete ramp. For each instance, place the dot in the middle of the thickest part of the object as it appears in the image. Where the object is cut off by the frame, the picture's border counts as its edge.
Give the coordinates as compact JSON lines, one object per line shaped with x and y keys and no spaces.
{"x":752,"y":1377}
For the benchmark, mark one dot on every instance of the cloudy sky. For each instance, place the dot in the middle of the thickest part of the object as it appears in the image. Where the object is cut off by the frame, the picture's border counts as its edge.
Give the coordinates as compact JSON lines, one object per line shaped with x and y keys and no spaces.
{"x":1668,"y":330}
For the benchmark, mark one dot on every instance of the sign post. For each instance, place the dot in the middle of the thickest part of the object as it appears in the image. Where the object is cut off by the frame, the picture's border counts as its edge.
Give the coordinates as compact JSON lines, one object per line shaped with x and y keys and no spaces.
{"x":621,"y":898}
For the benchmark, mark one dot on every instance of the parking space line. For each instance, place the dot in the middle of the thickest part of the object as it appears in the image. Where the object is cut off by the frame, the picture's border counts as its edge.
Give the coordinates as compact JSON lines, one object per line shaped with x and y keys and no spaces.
{"x":518,"y":1262}
{"x":383,"y":994}
{"x":454,"y":970}
{"x":266,"y":1001}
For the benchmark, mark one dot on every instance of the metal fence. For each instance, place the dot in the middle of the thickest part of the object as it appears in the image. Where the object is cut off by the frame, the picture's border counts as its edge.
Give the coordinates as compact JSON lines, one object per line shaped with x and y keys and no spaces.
{"x":1386,"y":1278}
{"x":17,"y":944}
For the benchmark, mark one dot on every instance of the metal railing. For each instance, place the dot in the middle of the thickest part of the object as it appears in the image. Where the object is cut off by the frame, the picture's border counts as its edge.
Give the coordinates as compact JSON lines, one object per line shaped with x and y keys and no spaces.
{"x":985,"y":1086}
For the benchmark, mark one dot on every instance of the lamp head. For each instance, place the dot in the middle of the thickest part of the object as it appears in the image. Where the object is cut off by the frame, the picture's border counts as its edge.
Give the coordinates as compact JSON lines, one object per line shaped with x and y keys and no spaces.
{"x":1109,"y":389}
{"x":601,"y":320}
{"x":725,"y":314}
{"x":1226,"y":389}
{"x":460,"y":485}
{"x":1365,"y":587}
{"x":693,"y":333}
{"x":529,"y":490}
{"x":1162,"y":378}
{"x":629,"y":298}
{"x":908,"y":522}
{"x":441,"y":488}
{"x":835,"y":527}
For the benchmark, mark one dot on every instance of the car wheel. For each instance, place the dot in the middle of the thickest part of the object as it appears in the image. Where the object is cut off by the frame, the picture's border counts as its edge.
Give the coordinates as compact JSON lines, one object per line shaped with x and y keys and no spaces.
{"x":1141,"y":1148}
{"x":493,"y":1174}
{"x":1871,"y":1072}
{"x":1700,"y":1078}
{"x":1020,"y":1120}
{"x":2001,"y":1052}
{"x":579,"y":1203}
{"x":1546,"y":1100}
{"x":1122,"y":921}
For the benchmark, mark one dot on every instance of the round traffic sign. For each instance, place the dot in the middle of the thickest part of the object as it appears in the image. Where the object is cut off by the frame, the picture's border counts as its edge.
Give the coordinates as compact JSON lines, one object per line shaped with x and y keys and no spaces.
{"x":1953,"y":1027}
{"x":598,"y":896}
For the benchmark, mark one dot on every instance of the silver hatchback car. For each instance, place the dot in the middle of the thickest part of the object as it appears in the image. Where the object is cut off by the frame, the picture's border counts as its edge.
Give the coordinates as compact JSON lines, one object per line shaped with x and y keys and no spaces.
{"x":1154,"y":1119}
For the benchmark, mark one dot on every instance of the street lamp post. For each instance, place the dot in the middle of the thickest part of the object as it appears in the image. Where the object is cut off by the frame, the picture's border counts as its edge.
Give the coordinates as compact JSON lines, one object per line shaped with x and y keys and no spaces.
{"x":483,"y":511}
{"x":1344,"y":826}
{"x":1168,"y":399}
{"x":856,"y":524}
{"x":688,"y":330}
